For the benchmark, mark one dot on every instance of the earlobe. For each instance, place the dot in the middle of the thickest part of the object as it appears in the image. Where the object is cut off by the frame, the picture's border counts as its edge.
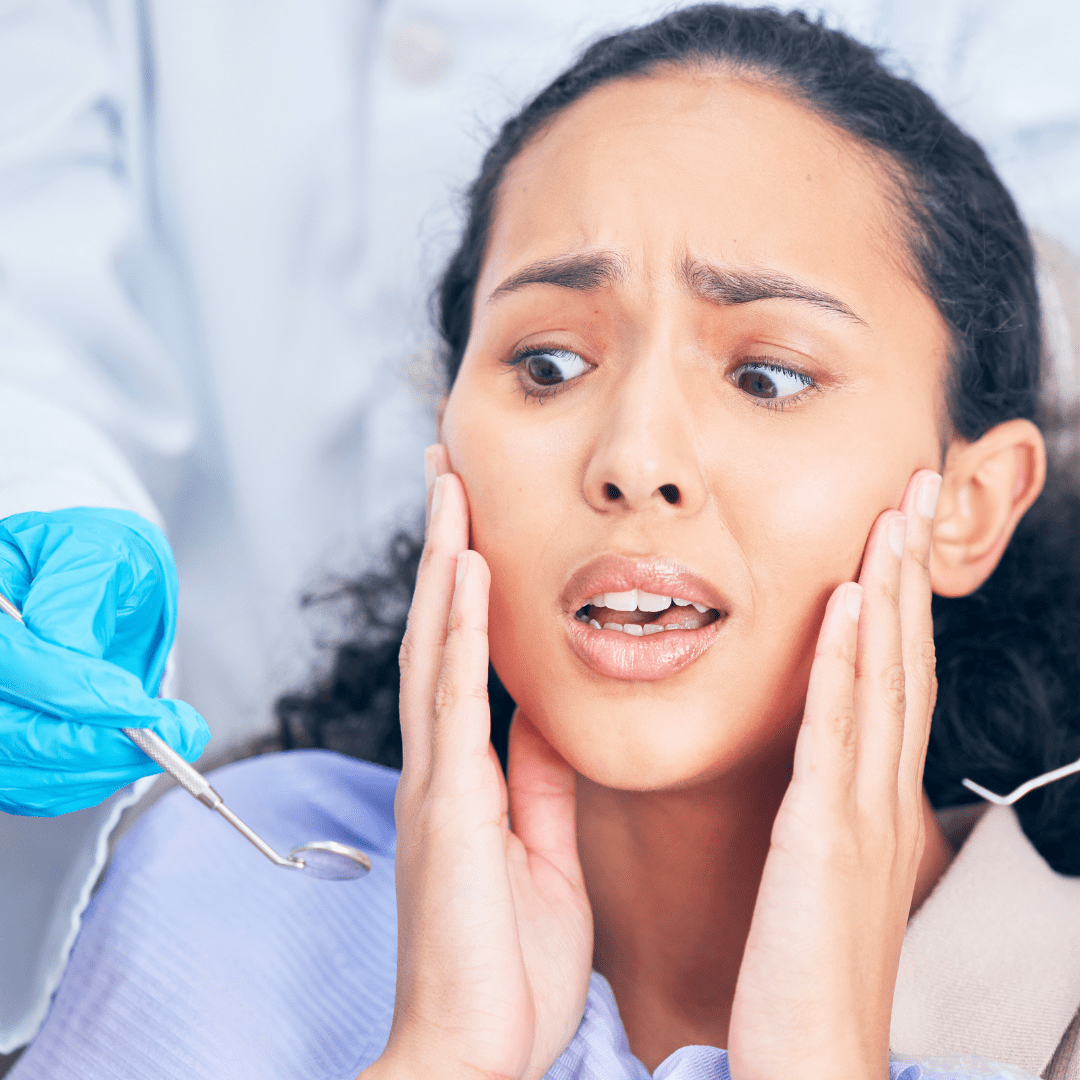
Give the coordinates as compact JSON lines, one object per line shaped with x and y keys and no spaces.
{"x":987,"y":487}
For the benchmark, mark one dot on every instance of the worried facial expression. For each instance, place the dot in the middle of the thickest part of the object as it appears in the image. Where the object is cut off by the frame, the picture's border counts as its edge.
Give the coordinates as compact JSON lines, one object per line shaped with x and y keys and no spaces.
{"x":699,"y":369}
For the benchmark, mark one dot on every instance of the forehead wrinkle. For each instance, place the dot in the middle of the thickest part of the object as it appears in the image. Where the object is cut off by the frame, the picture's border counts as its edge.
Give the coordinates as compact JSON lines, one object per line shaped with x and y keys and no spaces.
{"x":583,"y":272}
{"x":723,"y":285}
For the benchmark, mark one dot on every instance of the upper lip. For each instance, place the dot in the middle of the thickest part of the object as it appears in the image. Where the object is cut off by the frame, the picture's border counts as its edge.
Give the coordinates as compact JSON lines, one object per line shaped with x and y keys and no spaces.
{"x":655,"y":574}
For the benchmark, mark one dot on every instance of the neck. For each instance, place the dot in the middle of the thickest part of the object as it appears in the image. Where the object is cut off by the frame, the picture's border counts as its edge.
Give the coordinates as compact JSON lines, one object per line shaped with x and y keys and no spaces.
{"x":672,"y":877}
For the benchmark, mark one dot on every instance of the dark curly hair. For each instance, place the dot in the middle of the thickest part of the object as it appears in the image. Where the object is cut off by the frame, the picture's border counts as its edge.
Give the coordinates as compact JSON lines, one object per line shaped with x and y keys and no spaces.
{"x":1009,"y":655}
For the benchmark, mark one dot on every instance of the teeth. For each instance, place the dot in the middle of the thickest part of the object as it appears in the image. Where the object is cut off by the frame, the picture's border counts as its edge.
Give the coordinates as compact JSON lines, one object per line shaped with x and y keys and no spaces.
{"x":640,"y":600}
{"x":647,"y":601}
{"x":642,"y":629}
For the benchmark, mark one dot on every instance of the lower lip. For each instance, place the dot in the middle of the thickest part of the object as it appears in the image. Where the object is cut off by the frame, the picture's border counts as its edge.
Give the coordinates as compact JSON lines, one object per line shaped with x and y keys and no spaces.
{"x":616,"y":655}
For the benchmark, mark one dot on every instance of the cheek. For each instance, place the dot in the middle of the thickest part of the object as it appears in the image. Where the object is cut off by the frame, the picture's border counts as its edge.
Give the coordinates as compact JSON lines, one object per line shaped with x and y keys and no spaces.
{"x":514,"y":472}
{"x":519,"y":477}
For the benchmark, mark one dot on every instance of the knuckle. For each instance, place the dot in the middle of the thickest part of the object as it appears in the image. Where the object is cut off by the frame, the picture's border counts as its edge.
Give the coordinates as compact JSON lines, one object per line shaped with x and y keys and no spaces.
{"x":406,"y":651}
{"x":456,"y":623}
{"x":445,"y":694}
{"x":919,"y":558}
{"x":844,"y":651}
{"x":890,"y":591}
{"x":925,"y":655}
{"x":893,"y":685}
{"x":843,"y":730}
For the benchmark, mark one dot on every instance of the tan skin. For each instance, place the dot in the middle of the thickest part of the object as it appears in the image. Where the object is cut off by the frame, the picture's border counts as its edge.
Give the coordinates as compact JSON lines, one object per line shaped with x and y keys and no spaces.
{"x":752,"y":830}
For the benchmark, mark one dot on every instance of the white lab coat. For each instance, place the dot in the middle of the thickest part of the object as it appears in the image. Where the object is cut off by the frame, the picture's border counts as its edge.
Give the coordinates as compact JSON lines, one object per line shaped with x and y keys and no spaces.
{"x":219,"y":226}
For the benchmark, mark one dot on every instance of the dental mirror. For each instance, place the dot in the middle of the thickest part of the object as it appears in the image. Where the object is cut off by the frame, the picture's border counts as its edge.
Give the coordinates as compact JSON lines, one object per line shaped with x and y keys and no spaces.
{"x":325,"y":859}
{"x":331,"y":861}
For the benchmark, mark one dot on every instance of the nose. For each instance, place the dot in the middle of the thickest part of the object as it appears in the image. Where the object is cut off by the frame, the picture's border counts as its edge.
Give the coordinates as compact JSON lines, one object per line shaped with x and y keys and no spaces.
{"x":644,"y":458}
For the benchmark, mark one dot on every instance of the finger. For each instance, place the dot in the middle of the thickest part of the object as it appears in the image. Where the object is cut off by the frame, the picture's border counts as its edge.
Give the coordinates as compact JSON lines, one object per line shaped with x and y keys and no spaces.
{"x":543,"y":799}
{"x":436,"y":462}
{"x":104,"y":584}
{"x":14,"y":572}
{"x":425,"y":633}
{"x":48,"y":679}
{"x":461,"y":734}
{"x":826,"y":749}
{"x":917,"y":627}
{"x":879,"y":665}
{"x":56,"y":793}
{"x":504,"y":795}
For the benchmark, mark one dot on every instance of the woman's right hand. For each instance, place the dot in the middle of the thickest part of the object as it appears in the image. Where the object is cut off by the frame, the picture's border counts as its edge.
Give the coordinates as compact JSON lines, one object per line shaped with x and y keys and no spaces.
{"x":494,"y":925}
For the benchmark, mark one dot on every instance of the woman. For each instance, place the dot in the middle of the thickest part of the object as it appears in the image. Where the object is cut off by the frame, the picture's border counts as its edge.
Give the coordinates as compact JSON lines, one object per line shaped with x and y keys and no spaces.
{"x":744,"y":351}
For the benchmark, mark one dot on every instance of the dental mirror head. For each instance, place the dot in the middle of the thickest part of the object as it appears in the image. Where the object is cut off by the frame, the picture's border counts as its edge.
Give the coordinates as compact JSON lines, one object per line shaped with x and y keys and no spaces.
{"x":329,"y":860}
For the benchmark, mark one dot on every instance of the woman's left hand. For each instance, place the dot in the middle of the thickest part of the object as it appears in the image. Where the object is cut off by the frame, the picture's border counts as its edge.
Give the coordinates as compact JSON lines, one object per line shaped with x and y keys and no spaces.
{"x":814,"y":994}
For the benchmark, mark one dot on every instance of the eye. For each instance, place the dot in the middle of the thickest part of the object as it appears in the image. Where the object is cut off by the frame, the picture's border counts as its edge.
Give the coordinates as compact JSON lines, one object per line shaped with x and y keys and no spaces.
{"x":770,"y":381}
{"x":550,"y":367}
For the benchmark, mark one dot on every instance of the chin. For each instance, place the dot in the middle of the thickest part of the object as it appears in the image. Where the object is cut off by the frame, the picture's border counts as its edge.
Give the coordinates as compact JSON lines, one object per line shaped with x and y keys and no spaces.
{"x":639,"y":737}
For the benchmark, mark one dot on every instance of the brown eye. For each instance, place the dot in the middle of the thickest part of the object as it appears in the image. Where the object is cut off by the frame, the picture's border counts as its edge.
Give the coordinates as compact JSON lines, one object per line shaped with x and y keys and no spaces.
{"x":554,"y":366}
{"x":757,"y":383}
{"x":770,"y":381}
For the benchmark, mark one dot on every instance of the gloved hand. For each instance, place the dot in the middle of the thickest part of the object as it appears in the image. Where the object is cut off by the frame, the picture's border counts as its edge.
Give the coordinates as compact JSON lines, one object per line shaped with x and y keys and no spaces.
{"x":97,"y":590}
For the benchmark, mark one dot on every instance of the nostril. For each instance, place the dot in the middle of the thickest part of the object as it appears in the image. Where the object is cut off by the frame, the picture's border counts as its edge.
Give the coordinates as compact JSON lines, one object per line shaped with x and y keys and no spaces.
{"x":612,"y":492}
{"x":670,"y":493}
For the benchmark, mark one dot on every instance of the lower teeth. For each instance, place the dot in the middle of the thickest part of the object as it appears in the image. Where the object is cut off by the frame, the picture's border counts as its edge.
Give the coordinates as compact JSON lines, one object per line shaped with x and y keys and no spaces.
{"x":636,"y":629}
{"x":642,"y":629}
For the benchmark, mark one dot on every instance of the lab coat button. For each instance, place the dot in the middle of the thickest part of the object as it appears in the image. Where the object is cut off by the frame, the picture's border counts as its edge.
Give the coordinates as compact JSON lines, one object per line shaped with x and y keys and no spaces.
{"x":420,"y":51}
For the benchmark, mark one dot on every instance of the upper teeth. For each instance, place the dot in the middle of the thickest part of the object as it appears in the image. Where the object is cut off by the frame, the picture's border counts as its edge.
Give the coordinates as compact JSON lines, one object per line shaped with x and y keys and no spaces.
{"x":640,"y":600}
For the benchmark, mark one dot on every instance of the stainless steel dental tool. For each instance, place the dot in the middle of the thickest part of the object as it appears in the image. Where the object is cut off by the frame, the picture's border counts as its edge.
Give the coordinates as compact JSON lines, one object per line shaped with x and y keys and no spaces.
{"x":325,"y":859}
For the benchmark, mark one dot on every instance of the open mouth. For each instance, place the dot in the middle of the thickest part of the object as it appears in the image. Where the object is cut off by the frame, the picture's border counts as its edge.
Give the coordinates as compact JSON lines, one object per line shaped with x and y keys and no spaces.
{"x":640,"y":613}
{"x":641,"y":619}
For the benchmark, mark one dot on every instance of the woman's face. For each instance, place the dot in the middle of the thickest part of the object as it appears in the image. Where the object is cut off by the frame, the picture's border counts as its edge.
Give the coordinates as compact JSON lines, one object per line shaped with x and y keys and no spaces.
{"x":698,"y":369}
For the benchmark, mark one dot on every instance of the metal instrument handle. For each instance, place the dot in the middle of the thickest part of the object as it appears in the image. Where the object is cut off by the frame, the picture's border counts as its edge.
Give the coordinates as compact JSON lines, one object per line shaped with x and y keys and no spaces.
{"x":160,"y":752}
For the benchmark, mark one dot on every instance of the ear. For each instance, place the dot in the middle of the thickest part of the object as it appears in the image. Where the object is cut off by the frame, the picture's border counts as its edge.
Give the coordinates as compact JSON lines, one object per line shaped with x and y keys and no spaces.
{"x":987,"y":487}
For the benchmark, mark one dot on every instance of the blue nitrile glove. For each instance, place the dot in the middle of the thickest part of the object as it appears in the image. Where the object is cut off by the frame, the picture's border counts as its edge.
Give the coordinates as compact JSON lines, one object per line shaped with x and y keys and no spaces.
{"x":97,"y":590}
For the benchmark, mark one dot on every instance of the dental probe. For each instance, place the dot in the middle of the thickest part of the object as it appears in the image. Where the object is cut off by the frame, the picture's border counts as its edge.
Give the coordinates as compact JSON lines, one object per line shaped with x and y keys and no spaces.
{"x":325,"y":859}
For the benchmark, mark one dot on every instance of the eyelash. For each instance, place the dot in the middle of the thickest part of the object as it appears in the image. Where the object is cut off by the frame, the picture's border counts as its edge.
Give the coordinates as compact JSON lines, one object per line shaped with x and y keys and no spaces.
{"x":542,"y":393}
{"x":538,"y":393}
{"x":809,"y":384}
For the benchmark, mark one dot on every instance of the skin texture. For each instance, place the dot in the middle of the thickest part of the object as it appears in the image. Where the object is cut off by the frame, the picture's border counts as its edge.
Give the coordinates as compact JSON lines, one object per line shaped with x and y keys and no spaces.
{"x":735,"y":844}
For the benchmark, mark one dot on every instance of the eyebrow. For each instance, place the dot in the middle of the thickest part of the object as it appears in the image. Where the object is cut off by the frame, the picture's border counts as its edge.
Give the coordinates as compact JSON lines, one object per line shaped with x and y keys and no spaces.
{"x":722,"y":286}
{"x":595,"y":270}
{"x":591,"y":270}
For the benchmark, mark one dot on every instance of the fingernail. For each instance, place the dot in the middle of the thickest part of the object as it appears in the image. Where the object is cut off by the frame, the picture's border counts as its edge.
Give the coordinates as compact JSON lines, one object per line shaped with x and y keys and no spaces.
{"x":853,"y":600}
{"x":462,"y":566}
{"x":929,"y":490}
{"x":429,"y":466}
{"x":897,"y":534}
{"x":436,"y":495}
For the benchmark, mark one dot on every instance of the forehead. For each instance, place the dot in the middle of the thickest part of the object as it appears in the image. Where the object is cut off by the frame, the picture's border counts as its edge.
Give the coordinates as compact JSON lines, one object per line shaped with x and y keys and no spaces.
{"x":703,"y":164}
